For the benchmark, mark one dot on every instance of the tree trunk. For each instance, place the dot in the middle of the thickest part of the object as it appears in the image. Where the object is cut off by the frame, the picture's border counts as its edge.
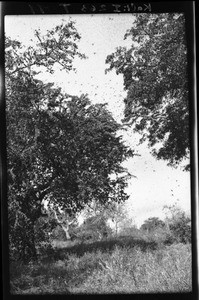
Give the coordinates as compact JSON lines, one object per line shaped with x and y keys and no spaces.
{"x":31,"y":241}
{"x":116,"y":228}
{"x":28,"y":250}
{"x":64,"y":225}
{"x":66,"y":230}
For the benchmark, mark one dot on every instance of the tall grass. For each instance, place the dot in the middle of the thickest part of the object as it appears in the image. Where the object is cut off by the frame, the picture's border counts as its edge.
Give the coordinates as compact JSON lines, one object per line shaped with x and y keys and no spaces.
{"x":133,"y":271}
{"x":117,"y":268}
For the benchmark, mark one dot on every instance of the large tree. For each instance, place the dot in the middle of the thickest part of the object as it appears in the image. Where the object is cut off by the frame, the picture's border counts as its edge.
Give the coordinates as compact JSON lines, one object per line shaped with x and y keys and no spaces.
{"x":59,"y":147}
{"x":154,"y":70}
{"x":26,"y":99}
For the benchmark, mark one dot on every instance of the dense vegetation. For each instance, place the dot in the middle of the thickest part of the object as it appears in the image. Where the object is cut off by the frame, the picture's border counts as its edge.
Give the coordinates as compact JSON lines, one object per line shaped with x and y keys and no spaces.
{"x":155,"y":77}
{"x":122,"y":270}
{"x":138,"y":262}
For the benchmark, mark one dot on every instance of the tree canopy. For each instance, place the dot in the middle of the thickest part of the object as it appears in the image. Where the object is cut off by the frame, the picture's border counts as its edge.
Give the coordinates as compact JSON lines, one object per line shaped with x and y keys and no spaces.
{"x":154,"y":70}
{"x":152,"y":223}
{"x":58,"y":47}
{"x":60,"y":147}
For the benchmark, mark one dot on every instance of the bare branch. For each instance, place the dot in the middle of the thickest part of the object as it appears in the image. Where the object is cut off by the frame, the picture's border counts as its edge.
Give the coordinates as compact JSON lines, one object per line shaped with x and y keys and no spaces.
{"x":56,"y":217}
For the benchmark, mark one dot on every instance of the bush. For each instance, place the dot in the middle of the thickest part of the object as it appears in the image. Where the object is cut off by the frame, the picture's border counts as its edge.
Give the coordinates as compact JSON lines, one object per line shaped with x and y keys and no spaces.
{"x":181,"y":231}
{"x":159,"y":236}
{"x":58,"y":234}
{"x":179,"y":224}
{"x":129,"y":231}
{"x":94,"y":228}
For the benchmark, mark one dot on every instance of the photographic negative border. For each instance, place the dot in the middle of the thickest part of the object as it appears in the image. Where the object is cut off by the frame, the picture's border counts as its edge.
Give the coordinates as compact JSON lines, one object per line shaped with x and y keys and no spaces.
{"x":48,"y":8}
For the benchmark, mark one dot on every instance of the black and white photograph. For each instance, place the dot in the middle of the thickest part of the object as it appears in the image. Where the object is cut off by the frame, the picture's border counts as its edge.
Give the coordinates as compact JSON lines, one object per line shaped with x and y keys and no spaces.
{"x":98,"y":153}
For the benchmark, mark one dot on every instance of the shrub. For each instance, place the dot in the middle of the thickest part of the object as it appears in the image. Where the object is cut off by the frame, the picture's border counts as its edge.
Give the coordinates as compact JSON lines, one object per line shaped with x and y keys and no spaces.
{"x":152,"y":224}
{"x":181,"y":230}
{"x":179,"y":224}
{"x":94,"y":228}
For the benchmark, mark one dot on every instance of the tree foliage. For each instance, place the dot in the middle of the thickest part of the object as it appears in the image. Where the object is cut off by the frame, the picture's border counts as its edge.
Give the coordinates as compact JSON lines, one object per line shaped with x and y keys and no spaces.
{"x":152,"y":223}
{"x":154,"y":70}
{"x":59,"y":147}
{"x":58,"y":47}
{"x":94,"y":228}
{"x":179,"y":224}
{"x":113,"y":212}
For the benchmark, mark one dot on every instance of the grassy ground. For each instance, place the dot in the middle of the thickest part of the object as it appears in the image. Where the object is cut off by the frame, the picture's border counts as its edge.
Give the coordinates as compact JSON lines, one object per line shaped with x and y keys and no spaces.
{"x":122,"y":265}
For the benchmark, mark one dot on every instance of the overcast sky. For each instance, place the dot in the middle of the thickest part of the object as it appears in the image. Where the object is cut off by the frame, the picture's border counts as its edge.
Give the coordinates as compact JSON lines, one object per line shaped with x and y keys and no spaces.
{"x":155,"y":184}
